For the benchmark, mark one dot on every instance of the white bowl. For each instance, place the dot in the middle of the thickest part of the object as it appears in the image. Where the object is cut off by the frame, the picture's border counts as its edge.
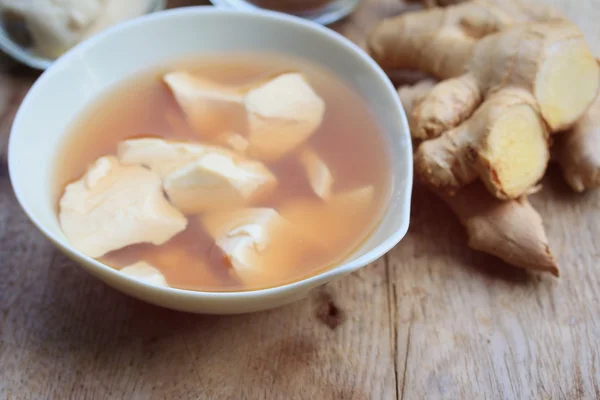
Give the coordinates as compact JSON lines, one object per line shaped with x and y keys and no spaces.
{"x":80,"y":76}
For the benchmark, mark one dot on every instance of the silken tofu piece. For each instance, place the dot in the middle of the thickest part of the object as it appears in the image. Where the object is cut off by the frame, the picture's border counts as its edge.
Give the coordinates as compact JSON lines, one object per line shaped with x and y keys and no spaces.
{"x":336,"y":220}
{"x":282,"y":114}
{"x":319,"y":175}
{"x":161,"y":156}
{"x":144,"y":272}
{"x":114,"y":206}
{"x":209,"y":107}
{"x":201,"y":178}
{"x":218,"y":181}
{"x":256,"y":241}
{"x":279,"y":114}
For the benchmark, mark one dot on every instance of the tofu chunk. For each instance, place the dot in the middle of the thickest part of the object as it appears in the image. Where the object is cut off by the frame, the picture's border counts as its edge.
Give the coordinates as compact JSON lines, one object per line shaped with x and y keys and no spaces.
{"x":282,"y":114}
{"x":201,"y":178}
{"x":209,"y":107}
{"x":114,"y":206}
{"x":218,"y":181}
{"x":144,"y":272}
{"x":251,"y":239}
{"x":161,"y":156}
{"x":279,"y":114}
{"x":319,"y":175}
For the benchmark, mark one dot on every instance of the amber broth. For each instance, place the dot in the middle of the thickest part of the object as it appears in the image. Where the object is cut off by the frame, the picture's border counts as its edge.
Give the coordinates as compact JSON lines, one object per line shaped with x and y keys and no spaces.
{"x":349,"y":140}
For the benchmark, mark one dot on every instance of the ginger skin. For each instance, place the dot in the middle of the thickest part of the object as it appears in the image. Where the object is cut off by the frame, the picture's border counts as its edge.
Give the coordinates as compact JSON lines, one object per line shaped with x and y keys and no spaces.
{"x":502,"y":93}
{"x":484,"y":147}
{"x":474,"y":149}
{"x":578,"y":151}
{"x":411,"y":96}
{"x":511,"y":230}
{"x":440,"y":41}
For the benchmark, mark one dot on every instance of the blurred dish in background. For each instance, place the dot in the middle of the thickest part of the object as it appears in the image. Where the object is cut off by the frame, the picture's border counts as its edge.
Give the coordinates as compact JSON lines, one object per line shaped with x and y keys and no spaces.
{"x":321,"y":11}
{"x":36,"y":32}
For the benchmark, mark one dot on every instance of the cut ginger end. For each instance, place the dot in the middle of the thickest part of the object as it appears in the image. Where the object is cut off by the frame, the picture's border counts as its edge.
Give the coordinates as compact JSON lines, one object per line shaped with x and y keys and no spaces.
{"x":569,"y":69}
{"x":515,"y":153}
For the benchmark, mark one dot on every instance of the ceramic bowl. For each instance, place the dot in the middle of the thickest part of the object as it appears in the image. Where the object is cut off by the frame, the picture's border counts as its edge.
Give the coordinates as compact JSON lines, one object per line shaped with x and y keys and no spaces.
{"x":76,"y":79}
{"x":28,"y":56}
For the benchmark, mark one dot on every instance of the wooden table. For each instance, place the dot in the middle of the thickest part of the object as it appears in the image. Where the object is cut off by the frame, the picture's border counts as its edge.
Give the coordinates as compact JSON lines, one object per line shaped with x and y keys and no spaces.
{"x":432,"y":319}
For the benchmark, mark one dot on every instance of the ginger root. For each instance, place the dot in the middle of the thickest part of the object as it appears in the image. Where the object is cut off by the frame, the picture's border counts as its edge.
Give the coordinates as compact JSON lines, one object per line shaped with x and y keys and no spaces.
{"x":513,"y":74}
{"x":504,"y":143}
{"x":507,"y":85}
{"x":578,"y":151}
{"x":440,"y":41}
{"x":511,"y":230}
{"x":530,"y":57}
{"x":410,"y":96}
{"x":483,"y":145}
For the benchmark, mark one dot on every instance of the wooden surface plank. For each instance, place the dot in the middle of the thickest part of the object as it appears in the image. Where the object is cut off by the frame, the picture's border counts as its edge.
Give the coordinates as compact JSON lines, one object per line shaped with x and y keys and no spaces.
{"x":471,"y":327}
{"x":14,"y":83}
{"x":432,"y":319}
{"x":74,"y":337}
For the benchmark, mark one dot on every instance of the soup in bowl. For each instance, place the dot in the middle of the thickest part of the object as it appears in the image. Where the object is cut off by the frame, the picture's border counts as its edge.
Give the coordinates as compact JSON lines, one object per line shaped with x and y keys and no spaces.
{"x":215,"y":161}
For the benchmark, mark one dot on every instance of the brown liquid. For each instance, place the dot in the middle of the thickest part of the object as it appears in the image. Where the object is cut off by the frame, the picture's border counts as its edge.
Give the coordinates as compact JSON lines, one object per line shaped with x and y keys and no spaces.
{"x":292,"y":6}
{"x":349,"y":140}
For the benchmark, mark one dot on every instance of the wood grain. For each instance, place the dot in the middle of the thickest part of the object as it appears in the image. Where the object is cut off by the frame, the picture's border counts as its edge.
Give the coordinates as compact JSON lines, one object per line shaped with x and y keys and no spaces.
{"x":432,"y":319}
{"x":15,"y":81}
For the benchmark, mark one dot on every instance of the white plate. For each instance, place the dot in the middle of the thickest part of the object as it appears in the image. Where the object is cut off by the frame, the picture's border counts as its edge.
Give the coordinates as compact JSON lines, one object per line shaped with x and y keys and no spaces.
{"x":29,"y":57}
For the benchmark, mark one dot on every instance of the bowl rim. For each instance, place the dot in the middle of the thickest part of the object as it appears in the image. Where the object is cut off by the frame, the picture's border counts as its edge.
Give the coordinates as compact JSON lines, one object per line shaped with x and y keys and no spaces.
{"x":266,"y":16}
